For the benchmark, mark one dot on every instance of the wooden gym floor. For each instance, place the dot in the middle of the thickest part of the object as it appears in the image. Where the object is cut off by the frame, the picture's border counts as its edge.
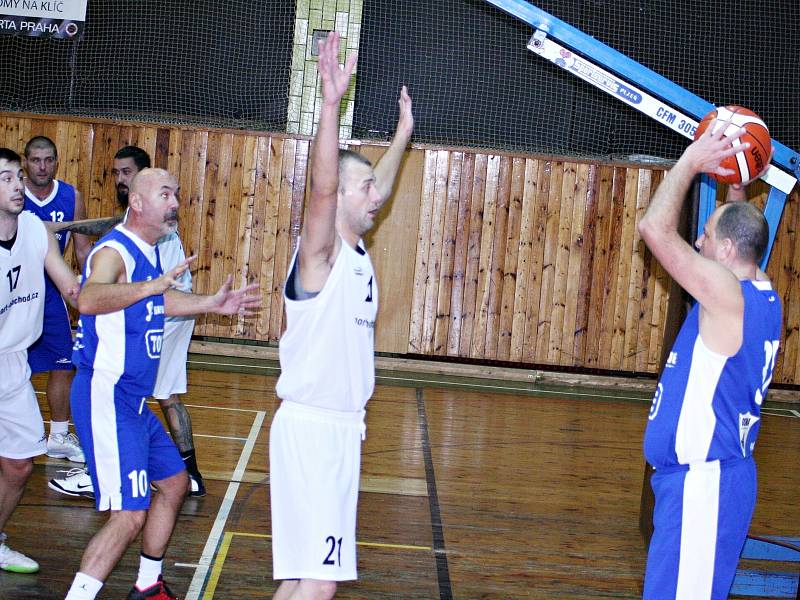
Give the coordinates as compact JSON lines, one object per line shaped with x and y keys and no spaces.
{"x":469,"y":490}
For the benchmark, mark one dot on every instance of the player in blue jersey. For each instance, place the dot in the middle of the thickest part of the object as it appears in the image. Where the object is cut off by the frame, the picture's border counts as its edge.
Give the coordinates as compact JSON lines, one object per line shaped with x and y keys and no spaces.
{"x":171,"y":380}
{"x":122,"y":303}
{"x":55,"y":201}
{"x":27,"y":252}
{"x":705,"y":416}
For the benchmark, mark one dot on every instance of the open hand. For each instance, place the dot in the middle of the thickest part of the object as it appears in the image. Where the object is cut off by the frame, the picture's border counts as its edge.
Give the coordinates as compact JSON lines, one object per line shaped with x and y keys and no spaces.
{"x":335,"y":78}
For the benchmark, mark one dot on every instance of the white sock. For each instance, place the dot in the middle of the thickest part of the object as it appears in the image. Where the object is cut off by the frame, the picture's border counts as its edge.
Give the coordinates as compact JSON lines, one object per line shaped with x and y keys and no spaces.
{"x":149,"y":570}
{"x":83,"y":587}
{"x":61,"y":427}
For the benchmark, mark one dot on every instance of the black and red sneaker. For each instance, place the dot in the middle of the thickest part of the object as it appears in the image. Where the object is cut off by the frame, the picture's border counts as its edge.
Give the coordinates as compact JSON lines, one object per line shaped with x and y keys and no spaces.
{"x":157,"y":591}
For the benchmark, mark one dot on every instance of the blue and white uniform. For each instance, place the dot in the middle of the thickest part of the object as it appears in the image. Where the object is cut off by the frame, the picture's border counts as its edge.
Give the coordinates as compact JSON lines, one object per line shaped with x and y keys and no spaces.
{"x":117,"y":357}
{"x":53,"y":349}
{"x":327,"y":377}
{"x":21,"y":309}
{"x":702,"y":429}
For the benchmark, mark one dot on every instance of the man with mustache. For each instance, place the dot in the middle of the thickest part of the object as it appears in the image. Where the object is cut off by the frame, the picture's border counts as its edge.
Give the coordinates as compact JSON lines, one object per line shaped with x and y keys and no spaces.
{"x":123,"y":301}
{"x":171,"y":379}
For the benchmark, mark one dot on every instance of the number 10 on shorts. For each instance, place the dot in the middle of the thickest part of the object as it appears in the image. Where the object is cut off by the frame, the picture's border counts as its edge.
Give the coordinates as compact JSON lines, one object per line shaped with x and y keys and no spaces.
{"x":139,"y":485}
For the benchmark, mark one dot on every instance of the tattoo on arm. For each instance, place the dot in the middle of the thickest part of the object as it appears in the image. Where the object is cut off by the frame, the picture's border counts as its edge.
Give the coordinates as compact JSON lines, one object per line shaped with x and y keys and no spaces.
{"x":92,"y":227}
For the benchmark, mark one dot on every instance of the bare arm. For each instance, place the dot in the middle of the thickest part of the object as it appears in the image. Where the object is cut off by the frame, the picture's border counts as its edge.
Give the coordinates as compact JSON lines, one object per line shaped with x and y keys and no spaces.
{"x":83,"y":244}
{"x":714,"y":286}
{"x":320,"y":243}
{"x":87,"y":227}
{"x":107,"y":290}
{"x":387,"y":167}
{"x":66,"y":281}
{"x":224,"y":302}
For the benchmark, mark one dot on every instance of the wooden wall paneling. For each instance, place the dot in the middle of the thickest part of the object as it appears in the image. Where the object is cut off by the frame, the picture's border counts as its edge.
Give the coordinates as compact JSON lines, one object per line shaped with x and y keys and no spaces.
{"x":416,"y":341}
{"x":69,"y":152}
{"x":483,"y":289}
{"x":624,"y":273}
{"x":85,"y":160}
{"x":660,"y":304}
{"x":45,"y":127}
{"x":249,"y":158}
{"x":102,"y":189}
{"x":609,"y":299}
{"x":524,"y":251}
{"x":587,"y":253}
{"x":476,"y":218}
{"x":265,"y":222}
{"x":161,"y":155}
{"x":461,"y":250}
{"x":236,"y":215}
{"x":573,"y":299}
{"x":561,"y":267}
{"x":642,"y":306}
{"x":497,"y":258}
{"x":17,"y":133}
{"x":283,"y":242}
{"x":392,"y":246}
{"x":205,"y":182}
{"x":547,"y":294}
{"x":510,"y":264}
{"x":787,"y":281}
{"x":146,"y":138}
{"x":217,"y":229}
{"x":449,"y":235}
{"x":435,"y":251}
{"x":540,"y":217}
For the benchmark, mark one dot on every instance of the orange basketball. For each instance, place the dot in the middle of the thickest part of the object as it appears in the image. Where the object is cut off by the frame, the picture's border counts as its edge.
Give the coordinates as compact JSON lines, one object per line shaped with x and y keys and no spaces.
{"x":747,"y":163}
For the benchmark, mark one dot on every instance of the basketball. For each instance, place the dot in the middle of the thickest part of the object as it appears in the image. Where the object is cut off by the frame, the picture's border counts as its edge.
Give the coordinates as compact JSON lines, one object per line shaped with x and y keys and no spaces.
{"x":747,"y":163}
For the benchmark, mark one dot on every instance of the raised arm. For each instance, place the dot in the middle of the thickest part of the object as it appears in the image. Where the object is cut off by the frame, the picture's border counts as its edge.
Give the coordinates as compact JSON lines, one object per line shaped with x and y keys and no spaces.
{"x":387,"y":167}
{"x":714,"y":286}
{"x":319,"y":240}
{"x":66,"y":281}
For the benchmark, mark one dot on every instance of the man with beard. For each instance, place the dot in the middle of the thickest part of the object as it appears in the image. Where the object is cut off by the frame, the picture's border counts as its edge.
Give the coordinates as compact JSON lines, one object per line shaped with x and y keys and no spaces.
{"x":123,"y":301}
{"x":54,"y":201}
{"x":27,"y":251}
{"x":171,"y":379}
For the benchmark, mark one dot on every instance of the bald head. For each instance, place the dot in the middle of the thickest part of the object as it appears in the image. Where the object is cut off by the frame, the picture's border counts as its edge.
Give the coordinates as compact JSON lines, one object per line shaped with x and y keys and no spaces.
{"x":153,"y":202}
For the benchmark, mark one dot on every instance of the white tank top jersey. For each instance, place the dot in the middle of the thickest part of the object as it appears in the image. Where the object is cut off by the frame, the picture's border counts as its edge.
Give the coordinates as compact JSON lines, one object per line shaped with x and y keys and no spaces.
{"x":22,"y":285}
{"x":170,"y":248}
{"x":327,"y":353}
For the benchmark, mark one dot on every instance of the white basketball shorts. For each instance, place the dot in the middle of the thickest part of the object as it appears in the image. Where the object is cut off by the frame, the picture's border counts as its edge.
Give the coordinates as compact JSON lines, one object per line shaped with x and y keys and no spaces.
{"x":21,"y":425}
{"x":171,"y":378}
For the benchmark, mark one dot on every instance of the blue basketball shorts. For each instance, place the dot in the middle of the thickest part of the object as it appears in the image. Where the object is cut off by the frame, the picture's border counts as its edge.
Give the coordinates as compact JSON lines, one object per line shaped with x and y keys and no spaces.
{"x":701,"y":518}
{"x":125,"y":444}
{"x":53,"y":350}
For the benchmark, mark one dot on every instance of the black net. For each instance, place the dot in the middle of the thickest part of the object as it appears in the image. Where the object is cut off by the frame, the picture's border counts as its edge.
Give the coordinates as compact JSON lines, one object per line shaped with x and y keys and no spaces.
{"x":475,"y":83}
{"x":216,"y":63}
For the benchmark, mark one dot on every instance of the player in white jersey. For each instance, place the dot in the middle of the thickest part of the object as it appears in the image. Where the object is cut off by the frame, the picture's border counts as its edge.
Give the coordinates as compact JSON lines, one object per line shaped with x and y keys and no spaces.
{"x":703,"y":423}
{"x":171,"y":379}
{"x":27,"y":251}
{"x":122,"y":304}
{"x":326,"y":353}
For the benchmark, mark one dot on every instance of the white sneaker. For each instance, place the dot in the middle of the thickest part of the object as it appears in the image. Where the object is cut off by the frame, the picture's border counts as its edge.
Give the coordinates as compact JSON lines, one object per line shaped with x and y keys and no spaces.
{"x":65,"y":445}
{"x":76,"y":483}
{"x":16,"y":562}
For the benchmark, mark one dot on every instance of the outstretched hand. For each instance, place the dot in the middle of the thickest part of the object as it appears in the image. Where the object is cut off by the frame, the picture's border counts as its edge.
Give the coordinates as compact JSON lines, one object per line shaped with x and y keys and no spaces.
{"x":705,"y":155}
{"x":231,"y":302}
{"x":405,"y":122}
{"x":170,"y":279}
{"x":335,"y":78}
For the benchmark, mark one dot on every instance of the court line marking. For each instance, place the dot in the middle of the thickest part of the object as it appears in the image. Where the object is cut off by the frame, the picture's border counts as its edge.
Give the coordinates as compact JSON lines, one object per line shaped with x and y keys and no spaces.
{"x":199,"y":578}
{"x":221,"y":437}
{"x":227,"y":540}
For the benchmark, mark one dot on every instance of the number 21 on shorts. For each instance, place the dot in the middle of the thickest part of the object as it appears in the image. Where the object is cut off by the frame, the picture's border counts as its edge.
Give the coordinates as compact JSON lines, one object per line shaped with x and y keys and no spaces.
{"x":334,"y":553}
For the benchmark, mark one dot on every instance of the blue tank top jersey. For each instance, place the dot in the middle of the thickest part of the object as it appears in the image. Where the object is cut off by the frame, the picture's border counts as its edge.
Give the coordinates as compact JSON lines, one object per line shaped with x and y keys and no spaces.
{"x":706,"y":406}
{"x":127,"y":343}
{"x":57,"y":207}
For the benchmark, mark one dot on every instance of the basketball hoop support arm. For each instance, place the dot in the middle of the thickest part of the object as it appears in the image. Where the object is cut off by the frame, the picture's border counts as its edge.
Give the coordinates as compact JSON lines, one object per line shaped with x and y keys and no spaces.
{"x":654,"y":95}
